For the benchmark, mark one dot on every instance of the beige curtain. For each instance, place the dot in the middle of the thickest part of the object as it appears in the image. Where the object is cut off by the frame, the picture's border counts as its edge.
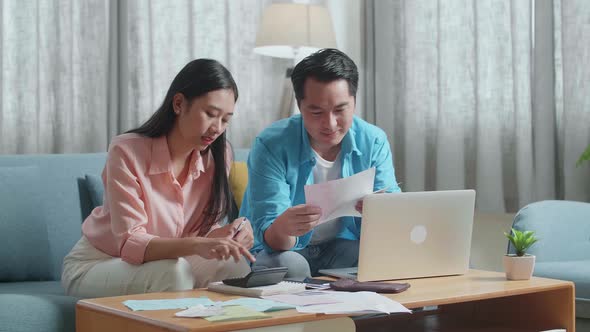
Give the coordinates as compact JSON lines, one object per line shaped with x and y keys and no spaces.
{"x":76,"y":73}
{"x":164,"y":35}
{"x":572,"y":96}
{"x":467,"y":93}
{"x":54,"y":59}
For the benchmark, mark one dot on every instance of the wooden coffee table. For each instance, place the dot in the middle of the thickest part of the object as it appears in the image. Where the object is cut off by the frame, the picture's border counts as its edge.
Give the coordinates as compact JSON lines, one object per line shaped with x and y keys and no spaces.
{"x":478,"y":300}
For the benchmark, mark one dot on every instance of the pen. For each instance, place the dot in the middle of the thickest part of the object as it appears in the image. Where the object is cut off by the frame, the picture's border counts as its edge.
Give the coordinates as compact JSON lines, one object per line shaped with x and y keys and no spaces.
{"x":240,"y":226}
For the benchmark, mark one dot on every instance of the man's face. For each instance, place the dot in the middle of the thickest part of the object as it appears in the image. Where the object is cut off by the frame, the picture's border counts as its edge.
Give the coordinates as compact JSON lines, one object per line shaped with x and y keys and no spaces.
{"x":327,"y":110}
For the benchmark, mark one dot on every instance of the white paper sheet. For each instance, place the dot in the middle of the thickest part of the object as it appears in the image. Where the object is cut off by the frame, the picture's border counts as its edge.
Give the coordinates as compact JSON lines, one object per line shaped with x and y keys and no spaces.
{"x":356,"y":304}
{"x":200,"y":311}
{"x":304,"y":298}
{"x":337,"y":198}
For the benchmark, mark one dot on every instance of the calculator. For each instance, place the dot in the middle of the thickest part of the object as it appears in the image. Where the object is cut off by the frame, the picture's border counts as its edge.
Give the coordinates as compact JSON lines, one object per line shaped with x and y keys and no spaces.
{"x":262,"y":277}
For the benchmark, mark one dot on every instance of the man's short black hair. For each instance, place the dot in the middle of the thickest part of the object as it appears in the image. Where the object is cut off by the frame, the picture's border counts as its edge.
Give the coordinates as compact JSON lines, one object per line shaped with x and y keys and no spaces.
{"x":325,"y":65}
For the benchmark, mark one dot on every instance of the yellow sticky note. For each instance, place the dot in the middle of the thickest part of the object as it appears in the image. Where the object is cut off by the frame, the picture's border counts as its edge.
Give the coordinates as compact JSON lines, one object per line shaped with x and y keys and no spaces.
{"x":237,"y":312}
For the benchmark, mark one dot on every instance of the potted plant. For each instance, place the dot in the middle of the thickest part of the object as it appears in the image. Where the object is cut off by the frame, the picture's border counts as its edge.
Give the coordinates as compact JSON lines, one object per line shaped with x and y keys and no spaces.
{"x":585,"y":156}
{"x":520,"y":266}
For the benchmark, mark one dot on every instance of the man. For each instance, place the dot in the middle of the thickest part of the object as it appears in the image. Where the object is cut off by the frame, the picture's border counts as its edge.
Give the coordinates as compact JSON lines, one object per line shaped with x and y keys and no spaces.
{"x":326,"y":142}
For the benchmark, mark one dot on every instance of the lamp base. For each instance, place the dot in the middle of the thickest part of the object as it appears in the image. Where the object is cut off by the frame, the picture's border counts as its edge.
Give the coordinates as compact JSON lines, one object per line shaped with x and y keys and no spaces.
{"x":288,"y":105}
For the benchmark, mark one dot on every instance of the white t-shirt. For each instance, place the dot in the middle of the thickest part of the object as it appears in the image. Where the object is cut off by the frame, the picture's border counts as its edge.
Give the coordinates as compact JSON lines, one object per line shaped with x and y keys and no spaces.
{"x":326,"y":171}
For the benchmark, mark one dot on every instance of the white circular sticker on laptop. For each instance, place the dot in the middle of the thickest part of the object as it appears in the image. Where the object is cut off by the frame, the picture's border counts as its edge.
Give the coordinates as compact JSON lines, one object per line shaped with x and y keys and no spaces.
{"x":418,"y":234}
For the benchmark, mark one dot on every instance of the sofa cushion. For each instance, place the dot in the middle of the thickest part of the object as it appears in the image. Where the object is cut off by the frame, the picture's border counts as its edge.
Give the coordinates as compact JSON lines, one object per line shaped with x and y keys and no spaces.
{"x":95,"y":189}
{"x":32,"y":287}
{"x":238,"y":179}
{"x":23,"y":233}
{"x":576,"y":271}
{"x":27,"y":312}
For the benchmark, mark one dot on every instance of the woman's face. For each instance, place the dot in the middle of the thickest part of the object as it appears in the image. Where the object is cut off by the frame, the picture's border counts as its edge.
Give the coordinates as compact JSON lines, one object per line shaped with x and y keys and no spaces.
{"x":202,"y":120}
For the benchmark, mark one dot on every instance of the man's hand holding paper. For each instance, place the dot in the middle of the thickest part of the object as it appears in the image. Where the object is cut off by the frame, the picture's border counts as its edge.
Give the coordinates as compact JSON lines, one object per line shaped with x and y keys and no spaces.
{"x":339,"y":198}
{"x":299,"y":219}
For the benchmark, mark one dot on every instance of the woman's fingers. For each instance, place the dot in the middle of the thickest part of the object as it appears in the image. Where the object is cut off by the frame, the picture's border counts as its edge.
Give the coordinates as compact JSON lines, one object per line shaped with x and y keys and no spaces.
{"x":217,"y":253}
{"x":230,"y":248}
{"x":247,"y":254}
{"x":222,"y":252}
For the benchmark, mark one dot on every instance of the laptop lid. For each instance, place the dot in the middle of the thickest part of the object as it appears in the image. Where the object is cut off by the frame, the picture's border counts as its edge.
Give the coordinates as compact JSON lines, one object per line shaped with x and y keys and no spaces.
{"x":404,"y":223}
{"x":415,"y":234}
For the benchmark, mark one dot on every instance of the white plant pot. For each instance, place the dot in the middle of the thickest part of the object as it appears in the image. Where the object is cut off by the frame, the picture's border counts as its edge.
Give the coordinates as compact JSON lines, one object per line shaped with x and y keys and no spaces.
{"x":519,"y":268}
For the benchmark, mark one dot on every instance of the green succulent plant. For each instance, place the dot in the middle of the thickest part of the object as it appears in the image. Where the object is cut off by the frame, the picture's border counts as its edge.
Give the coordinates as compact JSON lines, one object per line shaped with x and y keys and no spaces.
{"x":584,"y":157}
{"x":521,"y":240}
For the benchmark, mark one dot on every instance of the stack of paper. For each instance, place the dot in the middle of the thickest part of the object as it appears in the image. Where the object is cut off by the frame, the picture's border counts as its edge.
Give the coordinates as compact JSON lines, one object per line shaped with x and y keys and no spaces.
{"x":356,"y":303}
{"x":313,"y":301}
{"x":340,"y":302}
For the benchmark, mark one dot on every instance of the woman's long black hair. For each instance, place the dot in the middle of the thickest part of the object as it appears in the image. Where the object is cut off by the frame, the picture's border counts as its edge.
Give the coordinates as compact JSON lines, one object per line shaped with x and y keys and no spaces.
{"x":196,"y":79}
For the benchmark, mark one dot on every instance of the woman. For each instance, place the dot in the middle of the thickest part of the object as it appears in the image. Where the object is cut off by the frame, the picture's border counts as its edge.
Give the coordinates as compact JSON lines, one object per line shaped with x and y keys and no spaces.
{"x":166,"y":192}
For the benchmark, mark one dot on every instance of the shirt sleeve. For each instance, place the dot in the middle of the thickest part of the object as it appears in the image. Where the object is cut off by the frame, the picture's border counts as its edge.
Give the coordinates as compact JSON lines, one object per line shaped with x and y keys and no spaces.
{"x":268,"y":190}
{"x":382,"y":160}
{"x":127,"y":209}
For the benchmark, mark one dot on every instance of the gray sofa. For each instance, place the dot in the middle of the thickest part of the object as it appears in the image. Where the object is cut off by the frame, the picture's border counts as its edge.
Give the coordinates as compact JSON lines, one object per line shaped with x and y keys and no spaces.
{"x":43,"y":201}
{"x":563,"y":250}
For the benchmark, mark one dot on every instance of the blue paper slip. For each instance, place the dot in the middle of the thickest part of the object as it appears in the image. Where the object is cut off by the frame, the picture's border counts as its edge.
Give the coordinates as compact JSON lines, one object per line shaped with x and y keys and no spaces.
{"x":181,"y":303}
{"x":260,"y":305}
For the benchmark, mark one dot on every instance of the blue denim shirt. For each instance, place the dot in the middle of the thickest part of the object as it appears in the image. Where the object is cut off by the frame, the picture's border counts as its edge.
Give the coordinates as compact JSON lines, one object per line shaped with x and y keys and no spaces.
{"x":281,"y":162}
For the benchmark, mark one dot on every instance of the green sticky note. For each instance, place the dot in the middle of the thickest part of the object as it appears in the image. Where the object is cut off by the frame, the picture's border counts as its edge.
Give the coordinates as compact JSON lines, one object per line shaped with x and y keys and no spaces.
{"x":237,"y":312}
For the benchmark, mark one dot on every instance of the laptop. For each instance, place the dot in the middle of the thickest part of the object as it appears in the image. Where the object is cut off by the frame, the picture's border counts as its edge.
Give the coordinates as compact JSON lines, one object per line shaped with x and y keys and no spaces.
{"x":413,"y":235}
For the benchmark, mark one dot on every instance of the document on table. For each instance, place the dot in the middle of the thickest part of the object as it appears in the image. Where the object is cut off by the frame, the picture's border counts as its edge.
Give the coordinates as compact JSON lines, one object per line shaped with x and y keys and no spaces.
{"x":356,"y":303}
{"x":237,"y":312}
{"x":200,"y":311}
{"x":255,"y":304}
{"x":218,"y":308}
{"x":337,"y":198}
{"x":304,"y":298}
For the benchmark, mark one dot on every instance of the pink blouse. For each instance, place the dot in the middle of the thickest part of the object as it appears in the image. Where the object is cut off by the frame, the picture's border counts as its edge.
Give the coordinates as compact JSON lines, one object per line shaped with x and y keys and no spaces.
{"x":143,"y":200}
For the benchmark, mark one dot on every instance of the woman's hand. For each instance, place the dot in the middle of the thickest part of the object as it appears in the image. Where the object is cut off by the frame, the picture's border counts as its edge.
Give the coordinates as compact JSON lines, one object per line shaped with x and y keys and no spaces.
{"x":244,"y":235}
{"x":220,"y":249}
{"x":239,"y":230}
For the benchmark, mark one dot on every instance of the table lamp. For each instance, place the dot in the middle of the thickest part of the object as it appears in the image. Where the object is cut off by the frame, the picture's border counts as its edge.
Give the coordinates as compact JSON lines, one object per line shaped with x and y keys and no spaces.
{"x":293,"y":31}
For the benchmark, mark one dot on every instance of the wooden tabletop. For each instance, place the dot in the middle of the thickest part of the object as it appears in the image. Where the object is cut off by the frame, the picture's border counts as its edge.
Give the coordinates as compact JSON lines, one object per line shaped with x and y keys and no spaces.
{"x":475,"y":285}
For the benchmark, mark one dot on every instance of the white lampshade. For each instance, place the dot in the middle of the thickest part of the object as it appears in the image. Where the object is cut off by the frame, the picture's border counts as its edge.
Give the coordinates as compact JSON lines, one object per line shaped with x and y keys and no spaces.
{"x":290,"y":30}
